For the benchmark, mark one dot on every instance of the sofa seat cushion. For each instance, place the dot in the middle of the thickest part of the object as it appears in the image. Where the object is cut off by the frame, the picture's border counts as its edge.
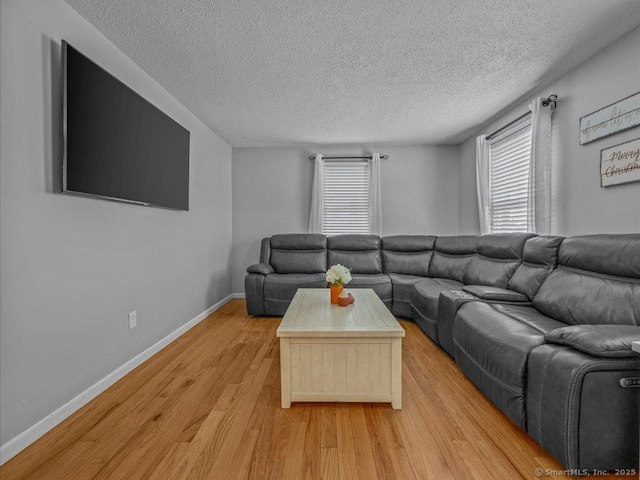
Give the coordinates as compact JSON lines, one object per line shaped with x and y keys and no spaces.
{"x":426,"y":292}
{"x":284,"y":286}
{"x":424,"y":303}
{"x":381,"y":284}
{"x":402,"y":288}
{"x":492,"y":345}
{"x":529,"y":316}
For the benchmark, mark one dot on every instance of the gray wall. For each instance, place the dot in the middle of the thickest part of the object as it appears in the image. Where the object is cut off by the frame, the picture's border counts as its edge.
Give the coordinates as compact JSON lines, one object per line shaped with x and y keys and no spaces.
{"x":580,"y":205}
{"x":72,"y":267}
{"x":272,"y":193}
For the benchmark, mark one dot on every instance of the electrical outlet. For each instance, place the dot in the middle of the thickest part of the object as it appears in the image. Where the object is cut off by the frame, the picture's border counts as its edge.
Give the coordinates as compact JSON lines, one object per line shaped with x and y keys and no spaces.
{"x":133,"y":320}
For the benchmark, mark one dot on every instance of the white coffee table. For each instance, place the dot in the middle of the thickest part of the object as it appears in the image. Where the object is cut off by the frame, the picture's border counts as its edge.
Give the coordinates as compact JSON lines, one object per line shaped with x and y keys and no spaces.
{"x":330,"y":353}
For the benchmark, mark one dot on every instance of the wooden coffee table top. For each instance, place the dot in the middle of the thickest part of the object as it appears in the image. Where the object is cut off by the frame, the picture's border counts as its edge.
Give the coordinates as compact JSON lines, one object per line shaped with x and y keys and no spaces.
{"x":311,"y":314}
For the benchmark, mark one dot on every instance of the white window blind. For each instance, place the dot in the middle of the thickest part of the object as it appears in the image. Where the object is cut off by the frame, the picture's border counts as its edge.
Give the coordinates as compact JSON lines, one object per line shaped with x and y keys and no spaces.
{"x":346,"y":198}
{"x":510,"y":155}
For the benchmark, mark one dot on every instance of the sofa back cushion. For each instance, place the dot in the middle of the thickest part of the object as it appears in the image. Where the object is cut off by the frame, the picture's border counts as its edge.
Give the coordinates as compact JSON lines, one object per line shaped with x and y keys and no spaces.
{"x":299,"y":253}
{"x":360,"y":253}
{"x":452,"y":255}
{"x":597,"y":281}
{"x":540,"y":256}
{"x":407,"y":254}
{"x":498,"y":256}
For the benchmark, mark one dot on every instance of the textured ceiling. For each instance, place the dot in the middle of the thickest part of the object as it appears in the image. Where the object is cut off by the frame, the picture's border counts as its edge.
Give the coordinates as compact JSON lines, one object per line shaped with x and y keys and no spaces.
{"x":285,"y":72}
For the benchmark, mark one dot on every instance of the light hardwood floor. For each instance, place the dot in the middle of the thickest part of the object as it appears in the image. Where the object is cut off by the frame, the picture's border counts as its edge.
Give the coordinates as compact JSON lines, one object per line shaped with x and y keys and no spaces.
{"x":208,"y":407}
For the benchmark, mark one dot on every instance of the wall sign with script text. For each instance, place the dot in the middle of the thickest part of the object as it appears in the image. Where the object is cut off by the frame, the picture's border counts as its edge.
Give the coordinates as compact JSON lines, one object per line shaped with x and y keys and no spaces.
{"x":620,"y":164}
{"x":611,"y":119}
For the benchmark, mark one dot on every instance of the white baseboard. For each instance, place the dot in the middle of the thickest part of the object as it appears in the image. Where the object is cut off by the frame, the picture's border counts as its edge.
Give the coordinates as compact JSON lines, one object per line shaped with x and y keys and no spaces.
{"x":239,"y":295}
{"x":26,"y":438}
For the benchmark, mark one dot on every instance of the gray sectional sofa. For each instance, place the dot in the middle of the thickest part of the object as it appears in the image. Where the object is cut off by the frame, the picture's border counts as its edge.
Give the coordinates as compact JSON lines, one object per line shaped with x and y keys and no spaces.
{"x":542,"y":325}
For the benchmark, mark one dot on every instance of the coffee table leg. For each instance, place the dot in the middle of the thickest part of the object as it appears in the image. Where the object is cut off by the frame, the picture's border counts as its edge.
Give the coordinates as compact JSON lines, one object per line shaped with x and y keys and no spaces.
{"x":285,"y":372}
{"x":396,"y":373}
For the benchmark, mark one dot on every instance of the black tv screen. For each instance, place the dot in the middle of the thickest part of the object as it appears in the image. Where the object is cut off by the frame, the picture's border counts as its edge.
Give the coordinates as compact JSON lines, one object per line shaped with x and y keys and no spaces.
{"x":117,"y":144}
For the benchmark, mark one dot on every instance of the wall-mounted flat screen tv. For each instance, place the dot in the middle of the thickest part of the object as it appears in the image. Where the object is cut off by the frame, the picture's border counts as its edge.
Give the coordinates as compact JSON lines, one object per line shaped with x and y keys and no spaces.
{"x":117,"y":145}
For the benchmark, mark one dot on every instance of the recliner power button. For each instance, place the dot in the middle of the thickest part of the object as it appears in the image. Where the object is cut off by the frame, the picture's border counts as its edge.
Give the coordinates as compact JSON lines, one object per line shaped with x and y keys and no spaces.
{"x":630,"y":382}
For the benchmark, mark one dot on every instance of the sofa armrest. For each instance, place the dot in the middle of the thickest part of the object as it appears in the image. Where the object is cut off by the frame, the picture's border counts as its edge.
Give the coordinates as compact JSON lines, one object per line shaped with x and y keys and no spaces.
{"x":580,"y":408}
{"x":254,"y":293}
{"x":597,"y":340}
{"x":261,"y":268}
{"x":495,"y":293}
{"x":448,"y":304}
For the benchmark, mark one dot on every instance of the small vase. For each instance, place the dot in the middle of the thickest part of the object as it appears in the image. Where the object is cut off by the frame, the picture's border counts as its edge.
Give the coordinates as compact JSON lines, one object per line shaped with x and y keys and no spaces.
{"x":335,"y":291}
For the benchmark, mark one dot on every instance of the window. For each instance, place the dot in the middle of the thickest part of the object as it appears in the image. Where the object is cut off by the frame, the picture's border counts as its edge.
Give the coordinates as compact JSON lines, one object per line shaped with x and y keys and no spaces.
{"x":510,"y":155}
{"x":346,"y":198}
